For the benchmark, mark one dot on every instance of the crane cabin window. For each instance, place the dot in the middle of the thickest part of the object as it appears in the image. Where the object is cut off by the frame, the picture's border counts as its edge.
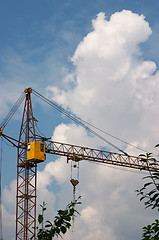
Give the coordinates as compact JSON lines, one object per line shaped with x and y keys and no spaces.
{"x":28,"y":147}
{"x":42,"y":147}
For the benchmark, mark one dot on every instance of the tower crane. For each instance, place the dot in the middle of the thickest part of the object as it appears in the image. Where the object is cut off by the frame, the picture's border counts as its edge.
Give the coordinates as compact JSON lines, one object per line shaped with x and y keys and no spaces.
{"x":32,"y":149}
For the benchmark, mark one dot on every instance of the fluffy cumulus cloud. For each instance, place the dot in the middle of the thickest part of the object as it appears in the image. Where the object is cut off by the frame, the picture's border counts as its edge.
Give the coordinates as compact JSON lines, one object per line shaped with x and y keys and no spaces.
{"x":72,"y":134}
{"x":8,"y":210}
{"x":114,"y":88}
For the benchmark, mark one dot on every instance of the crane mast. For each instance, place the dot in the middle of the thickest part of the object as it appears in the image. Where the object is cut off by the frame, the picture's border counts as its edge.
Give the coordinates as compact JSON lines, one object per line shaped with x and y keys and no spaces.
{"x":26,"y":176}
{"x":31,"y":149}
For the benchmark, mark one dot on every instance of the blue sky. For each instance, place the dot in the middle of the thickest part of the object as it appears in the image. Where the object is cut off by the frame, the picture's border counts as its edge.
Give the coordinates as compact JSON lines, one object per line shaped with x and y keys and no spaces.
{"x":101,"y":62}
{"x":34,"y":29}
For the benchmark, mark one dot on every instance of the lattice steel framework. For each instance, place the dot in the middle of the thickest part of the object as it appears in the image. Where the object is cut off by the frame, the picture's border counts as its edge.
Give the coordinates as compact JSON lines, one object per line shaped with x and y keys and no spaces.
{"x":78,"y":153}
{"x":26,"y":177}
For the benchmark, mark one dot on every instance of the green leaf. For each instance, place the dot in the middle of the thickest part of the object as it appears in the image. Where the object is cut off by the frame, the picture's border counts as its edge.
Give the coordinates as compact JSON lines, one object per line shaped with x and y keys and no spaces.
{"x":68,"y":225}
{"x":142,"y":198}
{"x":57,"y":230}
{"x":63,"y":212}
{"x":143,"y":160}
{"x":151,"y":192}
{"x":58,"y":222}
{"x":40,"y":218}
{"x":44,"y":209}
{"x":72,"y":211}
{"x":49,"y":223}
{"x":147,"y":184}
{"x":52,"y":232}
{"x":63,"y":230}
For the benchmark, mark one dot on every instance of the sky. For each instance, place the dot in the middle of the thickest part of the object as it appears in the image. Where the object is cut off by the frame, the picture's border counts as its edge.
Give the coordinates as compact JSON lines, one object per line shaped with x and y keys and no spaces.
{"x":100,"y":60}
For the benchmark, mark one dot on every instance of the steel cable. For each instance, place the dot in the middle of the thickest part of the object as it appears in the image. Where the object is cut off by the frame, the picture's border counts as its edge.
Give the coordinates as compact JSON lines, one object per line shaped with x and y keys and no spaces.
{"x":12,"y":111}
{"x":84,"y":124}
{"x":76,"y":119}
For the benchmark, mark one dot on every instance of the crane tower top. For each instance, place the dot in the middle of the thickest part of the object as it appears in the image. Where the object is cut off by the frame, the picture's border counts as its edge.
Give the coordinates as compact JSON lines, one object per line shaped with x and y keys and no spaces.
{"x":28,"y":91}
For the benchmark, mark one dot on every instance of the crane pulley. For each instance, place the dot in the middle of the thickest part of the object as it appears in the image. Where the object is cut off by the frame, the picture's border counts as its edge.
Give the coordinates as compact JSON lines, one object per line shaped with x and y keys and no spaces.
{"x":32,"y":149}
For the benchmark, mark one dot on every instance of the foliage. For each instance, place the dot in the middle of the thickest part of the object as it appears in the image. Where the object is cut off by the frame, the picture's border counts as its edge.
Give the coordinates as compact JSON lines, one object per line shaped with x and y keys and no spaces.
{"x":62,"y":222}
{"x":150,"y":191}
{"x":150,"y":195}
{"x":151,"y":231}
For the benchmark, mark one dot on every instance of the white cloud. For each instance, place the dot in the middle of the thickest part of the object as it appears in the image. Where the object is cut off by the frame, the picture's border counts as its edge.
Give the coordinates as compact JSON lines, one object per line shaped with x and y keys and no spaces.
{"x":115,"y":89}
{"x":58,"y":169}
{"x":91,"y":218}
{"x":8,"y":224}
{"x":115,"y":38}
{"x":73,"y":134}
{"x":7,"y":196}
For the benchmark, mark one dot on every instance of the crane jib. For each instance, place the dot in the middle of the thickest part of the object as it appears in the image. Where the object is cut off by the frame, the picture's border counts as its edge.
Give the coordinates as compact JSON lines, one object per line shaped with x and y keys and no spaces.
{"x":96,"y":155}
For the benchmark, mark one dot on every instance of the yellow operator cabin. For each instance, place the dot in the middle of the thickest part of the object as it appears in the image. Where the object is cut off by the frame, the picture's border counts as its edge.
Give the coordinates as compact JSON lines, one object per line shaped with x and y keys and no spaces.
{"x":36,"y":152}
